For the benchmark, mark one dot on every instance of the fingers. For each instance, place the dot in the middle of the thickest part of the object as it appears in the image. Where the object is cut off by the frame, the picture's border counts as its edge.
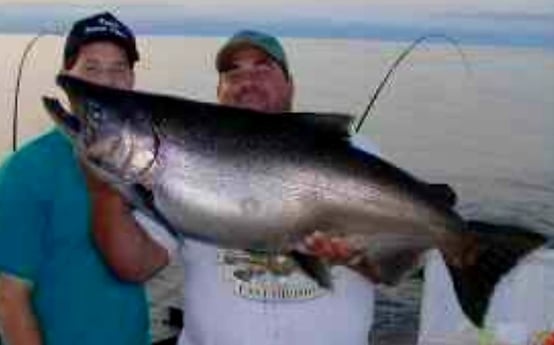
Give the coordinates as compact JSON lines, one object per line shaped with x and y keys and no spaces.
{"x":336,"y":249}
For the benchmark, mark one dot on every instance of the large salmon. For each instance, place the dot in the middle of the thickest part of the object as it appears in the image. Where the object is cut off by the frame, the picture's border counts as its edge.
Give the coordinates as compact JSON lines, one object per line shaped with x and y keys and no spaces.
{"x":244,"y":179}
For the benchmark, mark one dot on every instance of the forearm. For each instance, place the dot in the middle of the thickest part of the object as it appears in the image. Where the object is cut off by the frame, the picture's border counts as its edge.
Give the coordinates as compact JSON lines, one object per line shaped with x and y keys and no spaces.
{"x":126,"y":248}
{"x":18,"y":324}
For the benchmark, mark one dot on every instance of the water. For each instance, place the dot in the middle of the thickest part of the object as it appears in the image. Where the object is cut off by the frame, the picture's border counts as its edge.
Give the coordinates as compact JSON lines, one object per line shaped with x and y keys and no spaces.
{"x":487,"y":133}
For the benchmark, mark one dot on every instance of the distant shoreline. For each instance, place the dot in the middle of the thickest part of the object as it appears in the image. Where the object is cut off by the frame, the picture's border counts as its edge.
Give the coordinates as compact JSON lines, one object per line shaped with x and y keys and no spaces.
{"x":478,"y":42}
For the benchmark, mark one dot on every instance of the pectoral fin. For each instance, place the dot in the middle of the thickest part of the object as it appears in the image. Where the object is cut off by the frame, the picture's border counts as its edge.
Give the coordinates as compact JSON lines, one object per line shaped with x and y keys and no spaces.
{"x":313,"y":267}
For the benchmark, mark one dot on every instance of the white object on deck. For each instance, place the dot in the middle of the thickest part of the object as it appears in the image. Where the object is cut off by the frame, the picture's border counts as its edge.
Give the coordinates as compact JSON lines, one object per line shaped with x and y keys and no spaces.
{"x":521,"y":309}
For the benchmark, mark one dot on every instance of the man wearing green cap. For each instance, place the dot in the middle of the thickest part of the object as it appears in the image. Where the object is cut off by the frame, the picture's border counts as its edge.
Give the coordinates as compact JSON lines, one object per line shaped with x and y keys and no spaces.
{"x":271,"y":85}
{"x":234,"y":297}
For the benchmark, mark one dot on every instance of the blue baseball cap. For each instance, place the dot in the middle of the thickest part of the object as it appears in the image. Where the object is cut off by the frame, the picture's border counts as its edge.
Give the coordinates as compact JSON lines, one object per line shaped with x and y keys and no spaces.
{"x":250,"y":38}
{"x":100,"y":27}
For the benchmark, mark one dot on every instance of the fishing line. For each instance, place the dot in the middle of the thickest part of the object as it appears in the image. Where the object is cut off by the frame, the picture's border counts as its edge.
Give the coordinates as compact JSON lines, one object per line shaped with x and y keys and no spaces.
{"x":403,"y":54}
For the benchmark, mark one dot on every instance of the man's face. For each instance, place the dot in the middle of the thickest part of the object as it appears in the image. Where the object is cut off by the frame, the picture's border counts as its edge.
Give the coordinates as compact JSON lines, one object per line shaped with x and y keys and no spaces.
{"x":103,"y":63}
{"x":253,"y":80}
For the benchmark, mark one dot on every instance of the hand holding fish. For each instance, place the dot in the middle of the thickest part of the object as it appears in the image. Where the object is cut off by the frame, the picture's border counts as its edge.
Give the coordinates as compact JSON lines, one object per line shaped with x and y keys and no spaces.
{"x":98,"y":188}
{"x":340,"y":250}
{"x":334,"y":249}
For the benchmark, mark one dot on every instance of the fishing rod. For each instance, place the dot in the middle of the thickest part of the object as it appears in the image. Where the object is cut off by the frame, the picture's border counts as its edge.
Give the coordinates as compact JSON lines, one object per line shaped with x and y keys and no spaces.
{"x":403,"y":54}
{"x":15,"y":117}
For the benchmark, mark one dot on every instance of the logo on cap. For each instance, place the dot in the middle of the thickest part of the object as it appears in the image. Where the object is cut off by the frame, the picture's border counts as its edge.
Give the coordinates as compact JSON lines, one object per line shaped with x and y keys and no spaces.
{"x":106,"y":25}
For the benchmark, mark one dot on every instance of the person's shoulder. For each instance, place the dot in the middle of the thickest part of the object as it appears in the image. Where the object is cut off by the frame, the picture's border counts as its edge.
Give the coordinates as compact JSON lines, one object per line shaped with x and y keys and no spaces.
{"x":49,"y":150}
{"x":51,"y":144}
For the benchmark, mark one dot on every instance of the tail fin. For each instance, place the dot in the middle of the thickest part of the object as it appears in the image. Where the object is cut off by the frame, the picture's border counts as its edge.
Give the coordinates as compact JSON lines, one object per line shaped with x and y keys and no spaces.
{"x":498,"y":249}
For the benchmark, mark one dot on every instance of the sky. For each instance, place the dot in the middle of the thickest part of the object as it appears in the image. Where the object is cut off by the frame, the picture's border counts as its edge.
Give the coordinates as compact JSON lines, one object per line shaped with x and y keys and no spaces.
{"x":527,"y":22}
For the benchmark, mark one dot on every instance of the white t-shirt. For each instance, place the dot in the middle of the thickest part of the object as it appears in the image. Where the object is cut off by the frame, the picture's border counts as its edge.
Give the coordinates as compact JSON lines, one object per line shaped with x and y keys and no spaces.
{"x":521,"y":311}
{"x":232,"y":298}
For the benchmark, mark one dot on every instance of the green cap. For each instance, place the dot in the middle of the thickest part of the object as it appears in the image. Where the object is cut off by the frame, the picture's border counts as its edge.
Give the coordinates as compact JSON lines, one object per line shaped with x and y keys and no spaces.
{"x":266,"y":43}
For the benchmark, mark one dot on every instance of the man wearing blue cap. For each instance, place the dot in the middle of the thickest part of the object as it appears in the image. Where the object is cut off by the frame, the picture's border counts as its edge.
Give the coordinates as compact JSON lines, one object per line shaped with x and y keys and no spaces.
{"x":240,"y":298}
{"x":54,"y":286}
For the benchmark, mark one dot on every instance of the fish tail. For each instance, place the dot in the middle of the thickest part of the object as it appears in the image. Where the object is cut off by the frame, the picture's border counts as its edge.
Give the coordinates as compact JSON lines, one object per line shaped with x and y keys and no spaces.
{"x":495,"y":250}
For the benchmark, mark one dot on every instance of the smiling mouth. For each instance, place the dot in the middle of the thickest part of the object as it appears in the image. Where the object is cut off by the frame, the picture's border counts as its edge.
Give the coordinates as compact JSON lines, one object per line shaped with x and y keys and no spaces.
{"x":252,"y":100}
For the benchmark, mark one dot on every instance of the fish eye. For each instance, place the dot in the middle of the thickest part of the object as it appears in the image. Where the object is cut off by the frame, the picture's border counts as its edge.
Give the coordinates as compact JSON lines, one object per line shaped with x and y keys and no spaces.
{"x":95,"y":111}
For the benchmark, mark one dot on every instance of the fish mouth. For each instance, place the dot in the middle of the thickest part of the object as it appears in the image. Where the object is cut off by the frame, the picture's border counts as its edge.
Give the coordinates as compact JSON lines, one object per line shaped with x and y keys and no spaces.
{"x":80,"y":129}
{"x":68,"y":122}
{"x":118,"y":146}
{"x":74,"y":122}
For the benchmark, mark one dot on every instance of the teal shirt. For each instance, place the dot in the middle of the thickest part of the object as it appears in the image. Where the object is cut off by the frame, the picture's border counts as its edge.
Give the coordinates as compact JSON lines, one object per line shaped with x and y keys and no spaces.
{"x":45,"y":238}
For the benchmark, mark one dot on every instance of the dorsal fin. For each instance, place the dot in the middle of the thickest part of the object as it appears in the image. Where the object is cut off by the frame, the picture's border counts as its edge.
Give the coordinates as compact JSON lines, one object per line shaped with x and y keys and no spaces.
{"x":339,"y":124}
{"x":443,"y":193}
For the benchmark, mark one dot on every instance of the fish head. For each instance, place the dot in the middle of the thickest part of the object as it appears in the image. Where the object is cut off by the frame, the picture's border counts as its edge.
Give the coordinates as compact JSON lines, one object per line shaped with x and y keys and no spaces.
{"x":111,"y":133}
